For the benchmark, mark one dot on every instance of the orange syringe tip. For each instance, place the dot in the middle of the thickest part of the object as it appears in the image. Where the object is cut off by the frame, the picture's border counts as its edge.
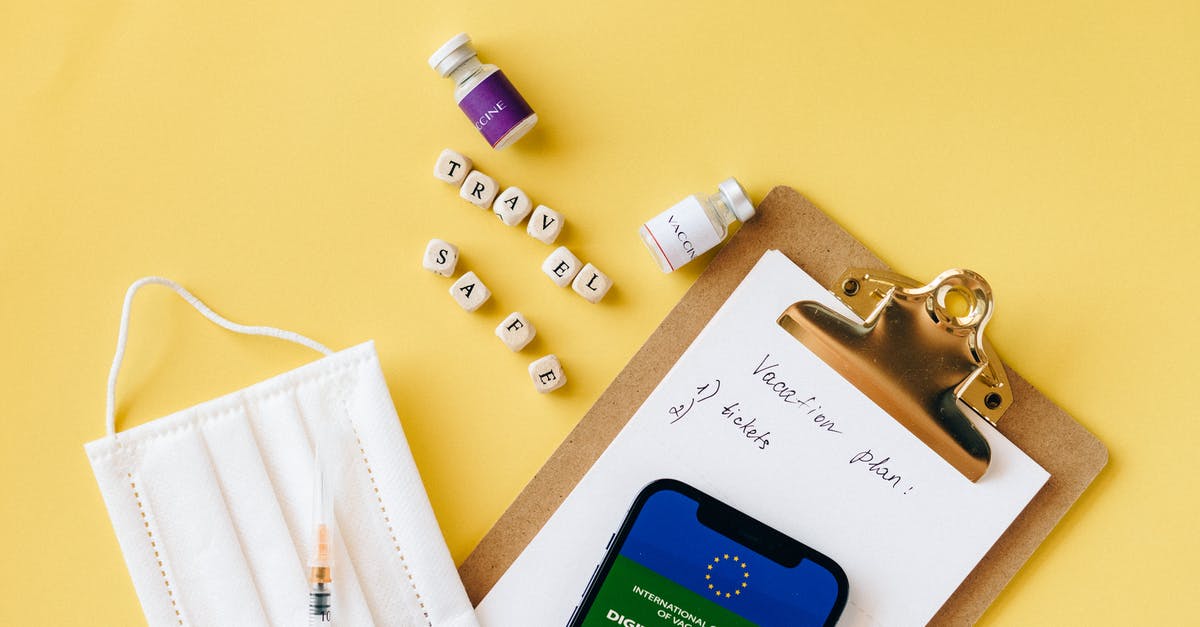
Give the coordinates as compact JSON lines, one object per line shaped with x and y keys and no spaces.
{"x":319,"y":574}
{"x":318,"y":567}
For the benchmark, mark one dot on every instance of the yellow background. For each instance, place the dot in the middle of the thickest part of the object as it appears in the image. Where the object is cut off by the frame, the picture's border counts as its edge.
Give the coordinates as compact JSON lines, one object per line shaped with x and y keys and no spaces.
{"x":275,"y":157}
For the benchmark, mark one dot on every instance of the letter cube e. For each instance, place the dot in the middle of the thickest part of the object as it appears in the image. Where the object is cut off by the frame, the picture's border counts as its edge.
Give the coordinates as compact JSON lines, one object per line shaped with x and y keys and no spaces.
{"x":561,"y":266}
{"x":547,"y":374}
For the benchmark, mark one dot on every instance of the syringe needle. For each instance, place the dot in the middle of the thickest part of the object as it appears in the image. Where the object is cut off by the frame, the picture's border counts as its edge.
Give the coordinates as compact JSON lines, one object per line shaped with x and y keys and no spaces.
{"x":320,"y":572}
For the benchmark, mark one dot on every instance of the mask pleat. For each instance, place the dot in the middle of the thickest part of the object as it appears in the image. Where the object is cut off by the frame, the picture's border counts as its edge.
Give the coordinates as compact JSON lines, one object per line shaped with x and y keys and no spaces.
{"x":258,"y":520}
{"x":350,"y":601}
{"x":134,"y":521}
{"x":376,"y":539}
{"x":194,"y":526}
{"x":428,"y":562}
{"x":287,"y":460}
{"x":371,"y":540}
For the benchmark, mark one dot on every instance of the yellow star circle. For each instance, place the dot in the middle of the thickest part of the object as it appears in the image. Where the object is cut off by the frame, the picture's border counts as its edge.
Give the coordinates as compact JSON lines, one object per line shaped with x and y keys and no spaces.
{"x":711,"y":569}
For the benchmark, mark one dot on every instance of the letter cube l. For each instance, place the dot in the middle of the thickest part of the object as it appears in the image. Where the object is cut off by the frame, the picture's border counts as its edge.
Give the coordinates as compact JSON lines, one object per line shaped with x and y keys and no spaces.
{"x":591,"y":284}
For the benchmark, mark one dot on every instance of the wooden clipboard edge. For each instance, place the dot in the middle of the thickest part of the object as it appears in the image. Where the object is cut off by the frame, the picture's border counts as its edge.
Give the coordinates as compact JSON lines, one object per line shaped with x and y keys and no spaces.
{"x":789,"y":222}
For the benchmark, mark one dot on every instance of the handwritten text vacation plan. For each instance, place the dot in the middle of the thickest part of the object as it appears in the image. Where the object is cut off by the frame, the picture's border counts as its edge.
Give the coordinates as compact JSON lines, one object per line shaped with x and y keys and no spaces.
{"x":783,"y":398}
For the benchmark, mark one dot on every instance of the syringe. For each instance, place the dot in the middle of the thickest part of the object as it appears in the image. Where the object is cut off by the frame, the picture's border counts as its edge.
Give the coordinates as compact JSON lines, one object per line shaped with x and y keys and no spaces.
{"x":320,"y":572}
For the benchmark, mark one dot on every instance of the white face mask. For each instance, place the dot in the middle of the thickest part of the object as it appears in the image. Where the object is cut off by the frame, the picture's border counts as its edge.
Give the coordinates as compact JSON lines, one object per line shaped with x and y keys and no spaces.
{"x":212,"y":504}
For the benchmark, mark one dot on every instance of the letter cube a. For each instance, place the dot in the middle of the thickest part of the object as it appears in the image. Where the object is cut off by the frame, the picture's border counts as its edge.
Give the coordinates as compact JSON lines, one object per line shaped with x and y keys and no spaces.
{"x":440,"y":257}
{"x":479,"y":189}
{"x":591,"y":284}
{"x":451,"y":167}
{"x":561,"y":266}
{"x":547,"y":374}
{"x":512,"y":205}
{"x":516,"y":331}
{"x":545,"y":224}
{"x":469,"y":292}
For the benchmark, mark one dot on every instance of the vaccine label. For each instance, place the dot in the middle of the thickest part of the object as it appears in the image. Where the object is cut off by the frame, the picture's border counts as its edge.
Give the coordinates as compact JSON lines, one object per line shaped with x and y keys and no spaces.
{"x":495,"y":107}
{"x":682,"y":232}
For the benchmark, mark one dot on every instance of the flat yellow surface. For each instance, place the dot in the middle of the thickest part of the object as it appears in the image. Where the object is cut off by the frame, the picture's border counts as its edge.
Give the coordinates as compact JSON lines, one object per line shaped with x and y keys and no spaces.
{"x":275,"y":158}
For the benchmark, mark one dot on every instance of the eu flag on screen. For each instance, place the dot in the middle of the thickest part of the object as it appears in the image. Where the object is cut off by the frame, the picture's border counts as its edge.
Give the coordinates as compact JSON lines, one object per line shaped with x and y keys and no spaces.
{"x":668,"y":538}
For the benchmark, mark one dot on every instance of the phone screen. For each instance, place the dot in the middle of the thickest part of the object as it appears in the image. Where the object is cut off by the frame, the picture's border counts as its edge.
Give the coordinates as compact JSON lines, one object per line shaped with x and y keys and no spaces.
{"x":684,"y":558}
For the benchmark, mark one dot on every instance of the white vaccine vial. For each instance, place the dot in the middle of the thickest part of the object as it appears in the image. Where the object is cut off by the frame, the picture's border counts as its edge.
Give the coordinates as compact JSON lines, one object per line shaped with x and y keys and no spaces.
{"x":695,"y":224}
{"x":483,"y":93}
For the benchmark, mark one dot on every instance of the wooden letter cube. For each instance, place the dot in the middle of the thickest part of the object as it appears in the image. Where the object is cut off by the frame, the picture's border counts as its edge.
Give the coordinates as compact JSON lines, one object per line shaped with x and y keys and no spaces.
{"x":479,"y":189}
{"x":547,"y":374}
{"x":545,"y":224}
{"x":451,"y":167}
{"x":516,"y":332}
{"x":561,"y":266}
{"x":469,"y":292}
{"x":440,"y":257}
{"x":591,"y":284}
{"x":512,"y":205}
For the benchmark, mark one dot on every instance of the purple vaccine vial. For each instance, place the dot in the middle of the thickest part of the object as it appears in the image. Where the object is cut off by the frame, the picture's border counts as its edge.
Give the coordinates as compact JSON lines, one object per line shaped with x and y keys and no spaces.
{"x":483,"y":93}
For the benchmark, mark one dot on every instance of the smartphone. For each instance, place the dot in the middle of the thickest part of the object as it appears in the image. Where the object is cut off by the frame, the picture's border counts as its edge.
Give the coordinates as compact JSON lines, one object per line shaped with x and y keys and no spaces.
{"x":684,"y":558}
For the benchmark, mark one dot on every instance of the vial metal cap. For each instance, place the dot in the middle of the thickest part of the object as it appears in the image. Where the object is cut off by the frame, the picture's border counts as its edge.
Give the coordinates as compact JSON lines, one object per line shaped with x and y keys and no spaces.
{"x":738,"y":199}
{"x":452,"y":54}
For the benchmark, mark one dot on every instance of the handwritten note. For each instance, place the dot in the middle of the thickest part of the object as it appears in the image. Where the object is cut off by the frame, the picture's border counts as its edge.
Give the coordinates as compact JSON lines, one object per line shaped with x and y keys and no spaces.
{"x":750,"y":416}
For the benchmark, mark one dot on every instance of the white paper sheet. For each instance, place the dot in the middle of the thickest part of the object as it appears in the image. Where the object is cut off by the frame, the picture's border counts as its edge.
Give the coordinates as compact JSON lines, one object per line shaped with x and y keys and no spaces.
{"x":906,"y":539}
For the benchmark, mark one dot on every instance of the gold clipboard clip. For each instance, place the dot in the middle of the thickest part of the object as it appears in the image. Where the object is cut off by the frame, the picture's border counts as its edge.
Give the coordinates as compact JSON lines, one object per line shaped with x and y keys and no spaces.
{"x":915,"y":355}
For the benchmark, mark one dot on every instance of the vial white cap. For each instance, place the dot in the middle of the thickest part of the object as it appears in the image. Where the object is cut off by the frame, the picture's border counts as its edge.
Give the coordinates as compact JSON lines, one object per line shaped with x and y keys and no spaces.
{"x":452,"y":54}
{"x":737,"y":199}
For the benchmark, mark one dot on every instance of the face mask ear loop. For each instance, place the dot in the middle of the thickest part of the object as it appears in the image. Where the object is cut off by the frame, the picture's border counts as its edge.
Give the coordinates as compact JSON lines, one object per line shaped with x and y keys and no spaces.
{"x":123,"y":335}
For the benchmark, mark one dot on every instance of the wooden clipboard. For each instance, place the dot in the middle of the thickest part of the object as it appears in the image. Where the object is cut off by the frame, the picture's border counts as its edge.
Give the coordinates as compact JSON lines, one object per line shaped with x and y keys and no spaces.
{"x":789,"y":222}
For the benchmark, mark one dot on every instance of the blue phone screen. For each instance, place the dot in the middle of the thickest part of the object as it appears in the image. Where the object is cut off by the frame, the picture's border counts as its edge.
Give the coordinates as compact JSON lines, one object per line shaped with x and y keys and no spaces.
{"x":674,"y":570}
